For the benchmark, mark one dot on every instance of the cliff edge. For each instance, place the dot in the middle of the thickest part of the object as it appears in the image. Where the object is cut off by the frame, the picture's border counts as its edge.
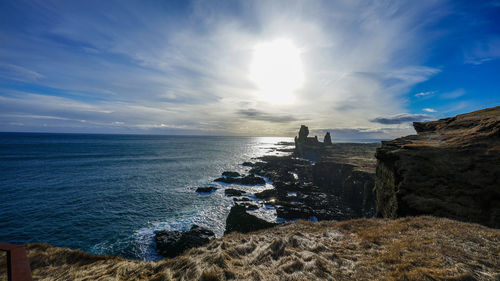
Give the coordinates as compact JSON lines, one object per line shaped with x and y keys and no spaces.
{"x":420,"y":248}
{"x":451,"y":168}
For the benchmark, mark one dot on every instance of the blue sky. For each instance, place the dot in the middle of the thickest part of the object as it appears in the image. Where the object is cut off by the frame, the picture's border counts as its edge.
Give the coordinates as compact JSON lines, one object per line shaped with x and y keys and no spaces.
{"x":370,"y":68}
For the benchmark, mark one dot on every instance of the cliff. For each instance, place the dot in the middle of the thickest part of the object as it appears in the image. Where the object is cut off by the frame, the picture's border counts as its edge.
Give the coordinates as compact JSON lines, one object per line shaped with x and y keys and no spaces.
{"x":421,"y":248}
{"x":338,"y":186}
{"x":451,"y":168}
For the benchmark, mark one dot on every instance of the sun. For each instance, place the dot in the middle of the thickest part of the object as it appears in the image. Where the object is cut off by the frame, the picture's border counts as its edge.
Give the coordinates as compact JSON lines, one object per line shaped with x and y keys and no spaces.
{"x":276,"y":69}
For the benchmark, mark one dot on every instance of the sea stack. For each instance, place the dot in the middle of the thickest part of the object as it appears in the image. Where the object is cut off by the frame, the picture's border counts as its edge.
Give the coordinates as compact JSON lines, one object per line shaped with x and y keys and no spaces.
{"x":306,"y":146}
{"x":451,"y":168}
{"x":328,"y":139}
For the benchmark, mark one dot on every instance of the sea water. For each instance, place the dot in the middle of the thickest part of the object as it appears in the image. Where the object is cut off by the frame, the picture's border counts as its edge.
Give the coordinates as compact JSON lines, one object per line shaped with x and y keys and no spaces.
{"x":108,"y":194}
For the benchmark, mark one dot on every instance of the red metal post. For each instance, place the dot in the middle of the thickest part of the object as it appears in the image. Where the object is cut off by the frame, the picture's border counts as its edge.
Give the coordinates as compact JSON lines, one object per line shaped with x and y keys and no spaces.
{"x":18,"y":266}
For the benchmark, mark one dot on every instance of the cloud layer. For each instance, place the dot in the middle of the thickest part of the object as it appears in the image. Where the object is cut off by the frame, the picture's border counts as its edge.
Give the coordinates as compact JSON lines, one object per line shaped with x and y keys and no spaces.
{"x":401,"y":118}
{"x":151,"y":68}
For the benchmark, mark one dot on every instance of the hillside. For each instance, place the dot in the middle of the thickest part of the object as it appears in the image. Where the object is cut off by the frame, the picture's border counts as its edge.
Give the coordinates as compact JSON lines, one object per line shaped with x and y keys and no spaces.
{"x":419,"y":248}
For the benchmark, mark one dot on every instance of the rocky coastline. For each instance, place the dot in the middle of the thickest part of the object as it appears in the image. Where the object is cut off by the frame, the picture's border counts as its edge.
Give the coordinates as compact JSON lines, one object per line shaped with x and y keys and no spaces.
{"x":317,"y":181}
{"x":451,"y":168}
{"x":437,"y":193}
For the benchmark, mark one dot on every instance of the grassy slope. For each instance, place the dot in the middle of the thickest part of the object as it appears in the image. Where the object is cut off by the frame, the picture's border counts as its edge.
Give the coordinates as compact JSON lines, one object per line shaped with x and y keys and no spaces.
{"x":421,"y":248}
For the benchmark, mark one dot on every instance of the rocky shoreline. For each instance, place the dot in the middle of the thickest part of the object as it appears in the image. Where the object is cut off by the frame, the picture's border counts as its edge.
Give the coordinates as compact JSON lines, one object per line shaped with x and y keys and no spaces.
{"x":451,"y":168}
{"x":312,"y":183}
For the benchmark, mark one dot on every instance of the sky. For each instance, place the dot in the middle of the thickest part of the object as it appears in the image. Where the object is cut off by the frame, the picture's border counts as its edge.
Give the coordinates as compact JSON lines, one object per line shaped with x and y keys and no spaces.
{"x":359,"y":69}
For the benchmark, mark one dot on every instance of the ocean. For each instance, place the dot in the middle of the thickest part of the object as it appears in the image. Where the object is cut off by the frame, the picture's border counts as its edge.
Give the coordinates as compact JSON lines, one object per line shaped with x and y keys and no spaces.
{"x":108,"y":194}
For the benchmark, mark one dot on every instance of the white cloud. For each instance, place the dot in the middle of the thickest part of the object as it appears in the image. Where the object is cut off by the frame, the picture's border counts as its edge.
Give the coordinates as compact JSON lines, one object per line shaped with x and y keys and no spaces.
{"x":425,"y":94}
{"x":360,"y":59}
{"x":401,"y":118}
{"x":429,"y":110}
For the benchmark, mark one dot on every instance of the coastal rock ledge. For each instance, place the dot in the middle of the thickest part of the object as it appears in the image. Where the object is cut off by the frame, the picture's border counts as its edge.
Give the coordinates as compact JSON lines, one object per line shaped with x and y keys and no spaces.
{"x":451,"y":168}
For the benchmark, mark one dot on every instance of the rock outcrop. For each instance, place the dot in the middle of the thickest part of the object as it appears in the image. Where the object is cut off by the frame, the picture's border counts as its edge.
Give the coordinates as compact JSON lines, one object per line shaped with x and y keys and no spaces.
{"x":236,"y":178}
{"x":325,"y":190}
{"x":305,"y":146}
{"x":173,"y":243}
{"x":205,"y":189}
{"x":241,"y":221}
{"x":233,"y":192}
{"x":451,"y":168}
{"x":328,"y":139}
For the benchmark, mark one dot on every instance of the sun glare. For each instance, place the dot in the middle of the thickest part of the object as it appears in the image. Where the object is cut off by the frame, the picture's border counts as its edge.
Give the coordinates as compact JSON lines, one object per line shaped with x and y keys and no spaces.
{"x":276,"y":68}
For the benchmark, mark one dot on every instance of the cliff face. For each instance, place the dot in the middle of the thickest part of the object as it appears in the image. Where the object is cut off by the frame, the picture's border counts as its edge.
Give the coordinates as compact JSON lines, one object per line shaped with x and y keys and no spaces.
{"x":421,"y":248}
{"x":451,"y":168}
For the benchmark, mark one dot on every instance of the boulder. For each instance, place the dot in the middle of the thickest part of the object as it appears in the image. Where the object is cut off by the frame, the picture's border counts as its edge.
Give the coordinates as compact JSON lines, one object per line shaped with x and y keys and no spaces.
{"x":173,"y":243}
{"x":230,"y":174}
{"x":249,"y":206}
{"x":451,"y":168}
{"x":241,"y":221}
{"x":246,"y":180}
{"x":233,"y":192}
{"x":252,"y":180}
{"x":226,"y":180}
{"x":206,"y":189}
{"x":267,"y":194}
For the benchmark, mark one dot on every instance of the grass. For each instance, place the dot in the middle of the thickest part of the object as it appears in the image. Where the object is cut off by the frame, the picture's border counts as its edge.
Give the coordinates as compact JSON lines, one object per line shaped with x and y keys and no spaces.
{"x":420,"y":248}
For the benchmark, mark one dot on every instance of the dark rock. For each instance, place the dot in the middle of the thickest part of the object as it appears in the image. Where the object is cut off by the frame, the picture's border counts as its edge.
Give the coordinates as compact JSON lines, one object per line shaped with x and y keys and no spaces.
{"x":358,"y":193}
{"x":267,"y":194}
{"x":252,"y":180}
{"x":451,"y":168}
{"x":248,"y":206}
{"x":327,"y":190}
{"x":226,"y":180}
{"x":248,"y":164}
{"x":305,"y":146}
{"x":330,"y":176}
{"x":328,"y":139}
{"x":241,"y":199}
{"x":173,"y":243}
{"x":233,"y":192}
{"x":303,"y":133}
{"x":247,"y":180}
{"x":294,"y":210}
{"x":230,"y":174}
{"x":206,"y":189}
{"x":241,"y":221}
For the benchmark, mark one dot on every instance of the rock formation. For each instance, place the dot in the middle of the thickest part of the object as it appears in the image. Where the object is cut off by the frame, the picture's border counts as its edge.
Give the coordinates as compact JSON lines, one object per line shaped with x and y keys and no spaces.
{"x":234,"y":177}
{"x":205,"y":189}
{"x":241,"y":221}
{"x":451,"y":168}
{"x":173,"y":243}
{"x":303,"y":133}
{"x":230,"y":174}
{"x":305,"y":146}
{"x":325,"y":190}
{"x":328,"y":139}
{"x":233,"y":192}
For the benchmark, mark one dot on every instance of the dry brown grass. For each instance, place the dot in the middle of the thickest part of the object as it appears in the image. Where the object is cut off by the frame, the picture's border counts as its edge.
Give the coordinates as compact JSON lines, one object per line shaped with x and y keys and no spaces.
{"x":421,"y":248}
